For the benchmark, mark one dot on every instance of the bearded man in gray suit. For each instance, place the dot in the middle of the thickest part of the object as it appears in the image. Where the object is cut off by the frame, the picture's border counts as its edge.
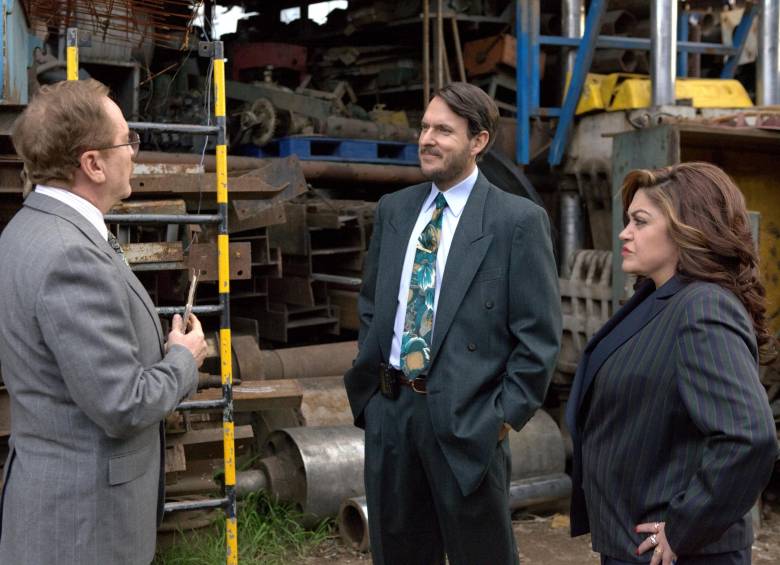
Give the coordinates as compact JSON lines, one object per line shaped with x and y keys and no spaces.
{"x":460,"y":328}
{"x":81,"y":347}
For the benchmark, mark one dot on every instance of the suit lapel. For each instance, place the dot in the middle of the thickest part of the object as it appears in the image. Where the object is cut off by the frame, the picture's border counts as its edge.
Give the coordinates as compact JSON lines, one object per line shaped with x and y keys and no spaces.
{"x":627,"y":331}
{"x":468,"y":249}
{"x":391,"y":263}
{"x":49,"y":205}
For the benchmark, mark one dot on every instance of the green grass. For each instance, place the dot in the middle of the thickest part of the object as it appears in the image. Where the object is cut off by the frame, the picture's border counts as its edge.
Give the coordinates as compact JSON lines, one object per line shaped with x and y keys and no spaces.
{"x":269,"y":533}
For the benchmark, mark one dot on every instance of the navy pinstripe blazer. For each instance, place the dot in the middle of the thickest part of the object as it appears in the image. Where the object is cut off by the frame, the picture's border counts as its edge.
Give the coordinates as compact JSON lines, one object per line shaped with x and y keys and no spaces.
{"x":671,"y":425}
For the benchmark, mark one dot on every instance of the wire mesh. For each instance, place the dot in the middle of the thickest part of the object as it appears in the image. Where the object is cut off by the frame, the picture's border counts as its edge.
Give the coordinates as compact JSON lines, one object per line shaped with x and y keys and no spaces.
{"x":120,"y":22}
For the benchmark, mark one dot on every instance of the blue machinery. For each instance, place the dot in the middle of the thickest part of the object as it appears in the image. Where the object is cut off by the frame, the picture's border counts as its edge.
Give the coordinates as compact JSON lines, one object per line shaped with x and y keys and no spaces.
{"x":668,"y":45}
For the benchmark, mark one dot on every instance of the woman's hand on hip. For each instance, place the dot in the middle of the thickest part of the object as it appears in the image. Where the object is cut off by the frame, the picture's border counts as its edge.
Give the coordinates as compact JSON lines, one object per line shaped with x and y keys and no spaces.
{"x":657,"y":542}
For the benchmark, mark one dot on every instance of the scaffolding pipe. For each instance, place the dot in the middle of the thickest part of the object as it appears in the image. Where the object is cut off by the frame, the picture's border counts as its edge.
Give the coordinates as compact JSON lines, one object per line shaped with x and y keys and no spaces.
{"x":571,"y":16}
{"x":663,"y":51}
{"x":768,"y":72}
{"x":572,"y":231}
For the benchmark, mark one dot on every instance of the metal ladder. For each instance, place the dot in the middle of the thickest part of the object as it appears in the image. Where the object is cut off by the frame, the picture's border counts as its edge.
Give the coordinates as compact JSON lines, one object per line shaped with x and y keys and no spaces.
{"x":214,"y":49}
{"x":529,"y":41}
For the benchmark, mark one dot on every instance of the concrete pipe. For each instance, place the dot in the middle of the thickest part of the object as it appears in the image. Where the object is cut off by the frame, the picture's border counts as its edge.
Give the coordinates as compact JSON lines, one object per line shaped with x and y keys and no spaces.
{"x":324,"y":402}
{"x":353,"y":523}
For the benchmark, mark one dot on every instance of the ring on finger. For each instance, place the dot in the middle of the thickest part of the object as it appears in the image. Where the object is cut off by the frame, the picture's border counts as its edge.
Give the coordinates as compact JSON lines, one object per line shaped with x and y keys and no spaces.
{"x":654,"y":539}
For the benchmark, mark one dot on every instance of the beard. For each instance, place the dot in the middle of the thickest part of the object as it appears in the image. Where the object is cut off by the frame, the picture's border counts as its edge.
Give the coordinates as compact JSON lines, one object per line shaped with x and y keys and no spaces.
{"x":450,"y":169}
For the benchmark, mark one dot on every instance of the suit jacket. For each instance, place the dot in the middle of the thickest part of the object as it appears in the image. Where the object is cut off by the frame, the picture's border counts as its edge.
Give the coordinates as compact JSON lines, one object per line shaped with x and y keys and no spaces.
{"x":672,"y":424}
{"x":498,"y":323}
{"x":89,"y":380}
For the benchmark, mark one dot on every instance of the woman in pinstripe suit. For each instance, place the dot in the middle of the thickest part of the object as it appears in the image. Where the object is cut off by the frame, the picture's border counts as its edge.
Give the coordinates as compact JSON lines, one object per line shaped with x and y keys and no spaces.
{"x":673,"y":436}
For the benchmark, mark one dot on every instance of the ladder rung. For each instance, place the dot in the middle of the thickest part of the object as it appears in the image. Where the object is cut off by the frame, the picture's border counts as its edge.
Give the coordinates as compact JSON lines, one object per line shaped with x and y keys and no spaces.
{"x":173,"y":128}
{"x":201,"y":404}
{"x":163,"y":218}
{"x":171,"y":310}
{"x":196,"y":504}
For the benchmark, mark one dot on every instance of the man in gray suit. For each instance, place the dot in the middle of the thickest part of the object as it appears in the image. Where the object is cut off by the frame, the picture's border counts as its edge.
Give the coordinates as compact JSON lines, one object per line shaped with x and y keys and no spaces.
{"x":449,"y":359}
{"x":81,"y":347}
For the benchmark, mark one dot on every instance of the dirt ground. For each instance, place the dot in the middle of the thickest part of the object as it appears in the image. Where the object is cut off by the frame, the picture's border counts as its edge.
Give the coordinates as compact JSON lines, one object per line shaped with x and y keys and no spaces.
{"x":544,"y":540}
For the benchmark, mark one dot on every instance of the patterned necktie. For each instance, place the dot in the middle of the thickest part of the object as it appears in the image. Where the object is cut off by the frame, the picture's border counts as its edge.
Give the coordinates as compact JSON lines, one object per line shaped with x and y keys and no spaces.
{"x":114,"y":243}
{"x":416,"y":341}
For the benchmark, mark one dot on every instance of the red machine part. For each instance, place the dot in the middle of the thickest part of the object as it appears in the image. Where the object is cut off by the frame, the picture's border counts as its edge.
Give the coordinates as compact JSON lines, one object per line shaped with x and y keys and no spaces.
{"x":261,"y":55}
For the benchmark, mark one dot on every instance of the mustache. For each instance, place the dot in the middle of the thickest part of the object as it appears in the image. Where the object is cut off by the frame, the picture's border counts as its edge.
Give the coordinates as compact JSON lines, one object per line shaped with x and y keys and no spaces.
{"x":429,"y":151}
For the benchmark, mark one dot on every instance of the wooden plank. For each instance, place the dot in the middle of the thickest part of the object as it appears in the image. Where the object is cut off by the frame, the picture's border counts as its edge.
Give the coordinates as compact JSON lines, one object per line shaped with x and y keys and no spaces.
{"x":250,"y":396}
{"x":174,"y":458}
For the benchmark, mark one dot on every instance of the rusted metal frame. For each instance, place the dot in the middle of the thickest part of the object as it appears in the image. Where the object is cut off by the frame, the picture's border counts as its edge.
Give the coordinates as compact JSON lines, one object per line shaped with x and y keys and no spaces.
{"x":426,"y":26}
{"x":439,"y":44}
{"x":162,"y":218}
{"x":173,"y":128}
{"x":206,"y":310}
{"x":458,"y":49}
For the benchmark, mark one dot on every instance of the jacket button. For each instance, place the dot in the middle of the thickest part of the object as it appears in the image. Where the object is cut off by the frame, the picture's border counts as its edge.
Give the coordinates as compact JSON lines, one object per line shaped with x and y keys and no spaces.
{"x":489,"y":304}
{"x":472,"y":347}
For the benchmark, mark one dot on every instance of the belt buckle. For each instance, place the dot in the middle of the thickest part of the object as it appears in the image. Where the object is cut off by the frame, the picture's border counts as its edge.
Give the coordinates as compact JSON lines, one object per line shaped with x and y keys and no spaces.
{"x":413,"y":385}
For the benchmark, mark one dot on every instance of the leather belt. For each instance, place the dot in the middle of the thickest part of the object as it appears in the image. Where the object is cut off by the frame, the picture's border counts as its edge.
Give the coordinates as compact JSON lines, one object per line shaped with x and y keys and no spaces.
{"x":417,"y":385}
{"x":391,"y":379}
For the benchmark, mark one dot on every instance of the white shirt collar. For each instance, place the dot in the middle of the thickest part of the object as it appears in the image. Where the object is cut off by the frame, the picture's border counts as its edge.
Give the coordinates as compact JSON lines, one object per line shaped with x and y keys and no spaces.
{"x":79,"y":204}
{"x":457,"y":196}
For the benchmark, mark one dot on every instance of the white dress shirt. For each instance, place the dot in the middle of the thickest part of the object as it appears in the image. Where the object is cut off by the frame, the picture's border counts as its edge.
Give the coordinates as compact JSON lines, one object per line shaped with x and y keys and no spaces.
{"x":79,"y":204}
{"x":456,"y":198}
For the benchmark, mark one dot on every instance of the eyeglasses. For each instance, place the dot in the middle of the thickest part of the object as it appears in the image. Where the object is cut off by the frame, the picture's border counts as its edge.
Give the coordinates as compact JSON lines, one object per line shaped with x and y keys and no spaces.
{"x":133,"y":140}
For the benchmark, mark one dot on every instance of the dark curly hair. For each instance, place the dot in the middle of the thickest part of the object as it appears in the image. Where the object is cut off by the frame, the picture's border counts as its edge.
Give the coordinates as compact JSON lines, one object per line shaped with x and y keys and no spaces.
{"x":708,"y":221}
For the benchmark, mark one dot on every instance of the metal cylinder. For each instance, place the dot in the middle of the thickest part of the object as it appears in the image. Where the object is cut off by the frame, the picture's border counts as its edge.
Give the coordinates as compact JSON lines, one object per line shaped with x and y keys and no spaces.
{"x":768,"y":71}
{"x":538,"y":490}
{"x":663,"y":51}
{"x":572,"y":16}
{"x":617,"y":22}
{"x":637,"y":7}
{"x":614,"y":60}
{"x":572,"y":232}
{"x":317,"y":468}
{"x":313,"y":468}
{"x":550,"y":24}
{"x":358,"y":173}
{"x":308,"y":361}
{"x":353,"y":523}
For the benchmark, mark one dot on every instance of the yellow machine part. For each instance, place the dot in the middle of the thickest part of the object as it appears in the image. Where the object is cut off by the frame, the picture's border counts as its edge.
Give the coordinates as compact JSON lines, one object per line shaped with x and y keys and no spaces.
{"x":623,"y":91}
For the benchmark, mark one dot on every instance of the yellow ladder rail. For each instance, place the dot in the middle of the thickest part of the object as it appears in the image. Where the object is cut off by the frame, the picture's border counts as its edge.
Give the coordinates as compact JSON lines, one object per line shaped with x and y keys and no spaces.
{"x":223,"y":261}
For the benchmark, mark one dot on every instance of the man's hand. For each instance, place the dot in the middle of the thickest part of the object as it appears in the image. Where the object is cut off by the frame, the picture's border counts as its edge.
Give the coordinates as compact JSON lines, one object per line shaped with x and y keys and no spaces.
{"x":503,"y":431}
{"x":194,"y":340}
